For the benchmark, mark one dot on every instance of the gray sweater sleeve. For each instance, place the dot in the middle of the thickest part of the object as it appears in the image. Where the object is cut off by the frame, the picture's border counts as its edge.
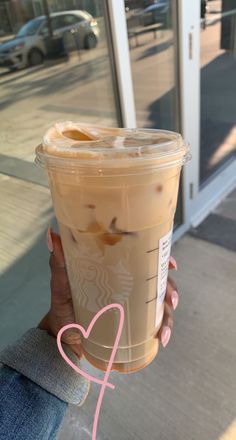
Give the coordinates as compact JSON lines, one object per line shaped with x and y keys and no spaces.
{"x":36,"y":356}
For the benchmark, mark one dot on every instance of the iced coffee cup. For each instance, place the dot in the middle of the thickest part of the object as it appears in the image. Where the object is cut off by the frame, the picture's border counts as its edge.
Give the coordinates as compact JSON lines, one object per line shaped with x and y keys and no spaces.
{"x":114,"y":193}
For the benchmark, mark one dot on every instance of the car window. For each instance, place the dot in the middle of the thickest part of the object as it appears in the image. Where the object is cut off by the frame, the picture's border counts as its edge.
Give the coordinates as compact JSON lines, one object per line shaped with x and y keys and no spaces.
{"x":57,"y":22}
{"x":31,"y":27}
{"x":69,"y":20}
{"x":44,"y":28}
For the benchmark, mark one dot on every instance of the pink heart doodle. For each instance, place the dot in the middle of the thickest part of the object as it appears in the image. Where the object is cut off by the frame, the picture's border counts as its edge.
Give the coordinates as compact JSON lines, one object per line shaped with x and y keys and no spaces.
{"x":86,"y":334}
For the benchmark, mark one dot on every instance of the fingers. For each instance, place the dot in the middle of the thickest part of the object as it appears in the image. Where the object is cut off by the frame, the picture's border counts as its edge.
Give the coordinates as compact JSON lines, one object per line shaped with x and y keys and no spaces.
{"x":164,"y":333}
{"x":170,"y":304}
{"x":61,"y":312}
{"x":60,"y":288}
{"x":173,"y":264}
{"x":172,"y":296}
{"x":57,"y":260}
{"x":72,"y":337}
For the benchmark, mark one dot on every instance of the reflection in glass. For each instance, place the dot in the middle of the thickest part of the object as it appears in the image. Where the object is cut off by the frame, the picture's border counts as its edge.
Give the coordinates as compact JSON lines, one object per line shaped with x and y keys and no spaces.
{"x":153,"y":51}
{"x":44,"y":78}
{"x":152,"y":38}
{"x":218,"y":91}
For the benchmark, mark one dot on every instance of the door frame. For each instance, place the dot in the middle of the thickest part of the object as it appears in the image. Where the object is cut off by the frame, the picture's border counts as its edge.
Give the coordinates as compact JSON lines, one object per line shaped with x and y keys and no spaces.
{"x":120,"y":43}
{"x":198,"y":201}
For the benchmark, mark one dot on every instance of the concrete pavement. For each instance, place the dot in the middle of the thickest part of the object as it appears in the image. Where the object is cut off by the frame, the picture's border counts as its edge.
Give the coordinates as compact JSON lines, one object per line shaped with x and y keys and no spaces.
{"x":189,"y":391}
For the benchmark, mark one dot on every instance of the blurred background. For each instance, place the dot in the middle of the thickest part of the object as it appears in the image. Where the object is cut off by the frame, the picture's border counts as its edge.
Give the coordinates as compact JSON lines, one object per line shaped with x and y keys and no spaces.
{"x":167,"y":64}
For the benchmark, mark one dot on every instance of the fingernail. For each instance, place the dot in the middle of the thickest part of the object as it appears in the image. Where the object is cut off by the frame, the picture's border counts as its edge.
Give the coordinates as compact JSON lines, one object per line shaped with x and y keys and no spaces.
{"x":173,"y":263}
{"x":174,"y":299}
{"x":49,"y":240}
{"x":165,"y":336}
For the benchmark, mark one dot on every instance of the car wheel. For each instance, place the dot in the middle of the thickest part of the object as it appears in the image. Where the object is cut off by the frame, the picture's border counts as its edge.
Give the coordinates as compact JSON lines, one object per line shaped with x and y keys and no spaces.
{"x":90,"y":41}
{"x":35,"y":57}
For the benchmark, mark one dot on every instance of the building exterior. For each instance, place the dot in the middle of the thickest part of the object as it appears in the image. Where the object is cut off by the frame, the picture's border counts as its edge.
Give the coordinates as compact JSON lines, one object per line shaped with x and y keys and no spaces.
{"x":157,"y":65}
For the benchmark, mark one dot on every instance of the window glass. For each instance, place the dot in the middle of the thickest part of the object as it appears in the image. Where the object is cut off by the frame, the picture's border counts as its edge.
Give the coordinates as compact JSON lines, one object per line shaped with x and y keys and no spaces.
{"x":153,"y":39}
{"x":42,"y":84}
{"x":152,"y":34}
{"x":57,"y":23}
{"x":69,"y":20}
{"x":218,"y":91}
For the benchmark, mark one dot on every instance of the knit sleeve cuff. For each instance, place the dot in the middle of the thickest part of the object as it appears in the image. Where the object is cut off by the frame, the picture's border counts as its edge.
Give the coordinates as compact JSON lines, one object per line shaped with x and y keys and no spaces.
{"x":36,"y":356}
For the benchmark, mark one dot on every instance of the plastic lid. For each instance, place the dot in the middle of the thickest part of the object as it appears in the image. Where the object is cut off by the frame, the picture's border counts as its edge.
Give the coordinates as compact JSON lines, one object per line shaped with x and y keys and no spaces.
{"x":70,"y":147}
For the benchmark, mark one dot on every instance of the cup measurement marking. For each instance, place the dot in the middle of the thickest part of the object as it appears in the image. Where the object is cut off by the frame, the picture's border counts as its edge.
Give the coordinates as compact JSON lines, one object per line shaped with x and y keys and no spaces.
{"x":151,"y":278}
{"x":152,"y":250}
{"x":150,"y":300}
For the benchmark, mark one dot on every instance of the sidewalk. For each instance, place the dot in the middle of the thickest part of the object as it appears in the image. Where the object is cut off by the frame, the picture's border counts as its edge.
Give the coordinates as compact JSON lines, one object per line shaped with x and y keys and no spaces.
{"x":189,"y":391}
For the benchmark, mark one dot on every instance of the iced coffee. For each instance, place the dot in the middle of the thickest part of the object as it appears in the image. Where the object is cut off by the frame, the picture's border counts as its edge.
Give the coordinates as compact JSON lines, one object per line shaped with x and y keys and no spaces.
{"x":114,"y":193}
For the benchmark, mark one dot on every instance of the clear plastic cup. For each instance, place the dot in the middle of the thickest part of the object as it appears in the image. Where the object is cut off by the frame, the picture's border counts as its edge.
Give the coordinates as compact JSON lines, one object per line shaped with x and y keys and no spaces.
{"x":114,"y":193}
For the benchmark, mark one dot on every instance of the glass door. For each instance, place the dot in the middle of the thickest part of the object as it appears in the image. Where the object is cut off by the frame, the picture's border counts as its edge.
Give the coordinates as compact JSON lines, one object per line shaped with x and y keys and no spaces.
{"x":208,"y":102}
{"x":218,"y":87}
{"x":152,"y":34}
{"x":145,"y":40}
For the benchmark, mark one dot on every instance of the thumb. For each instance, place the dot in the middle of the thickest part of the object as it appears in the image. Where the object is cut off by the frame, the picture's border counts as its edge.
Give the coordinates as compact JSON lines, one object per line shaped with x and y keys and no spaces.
{"x":60,"y":288}
{"x":55,"y":248}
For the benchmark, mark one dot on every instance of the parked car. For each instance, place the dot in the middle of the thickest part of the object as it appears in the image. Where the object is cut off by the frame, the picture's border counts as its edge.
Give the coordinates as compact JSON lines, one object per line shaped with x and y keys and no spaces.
{"x":155,"y":13}
{"x":28,"y":47}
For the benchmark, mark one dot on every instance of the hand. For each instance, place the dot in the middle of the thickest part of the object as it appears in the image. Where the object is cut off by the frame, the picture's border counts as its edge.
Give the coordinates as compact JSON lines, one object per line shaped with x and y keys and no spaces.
{"x":62,"y":313}
{"x":170,"y":304}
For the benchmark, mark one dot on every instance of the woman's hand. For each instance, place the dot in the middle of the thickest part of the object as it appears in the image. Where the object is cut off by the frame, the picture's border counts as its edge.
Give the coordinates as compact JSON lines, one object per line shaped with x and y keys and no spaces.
{"x":170,"y":304}
{"x":62,"y":313}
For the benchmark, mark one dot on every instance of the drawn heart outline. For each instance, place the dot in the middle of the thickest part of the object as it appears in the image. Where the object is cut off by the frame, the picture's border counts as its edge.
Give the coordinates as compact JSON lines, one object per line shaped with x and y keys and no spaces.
{"x":86,"y":334}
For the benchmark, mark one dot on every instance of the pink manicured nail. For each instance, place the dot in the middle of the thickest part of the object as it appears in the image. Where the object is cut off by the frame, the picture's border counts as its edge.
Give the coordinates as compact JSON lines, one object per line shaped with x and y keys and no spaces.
{"x":173,"y":263}
{"x":49,"y":240}
{"x":165,"y":336}
{"x":174,"y":299}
